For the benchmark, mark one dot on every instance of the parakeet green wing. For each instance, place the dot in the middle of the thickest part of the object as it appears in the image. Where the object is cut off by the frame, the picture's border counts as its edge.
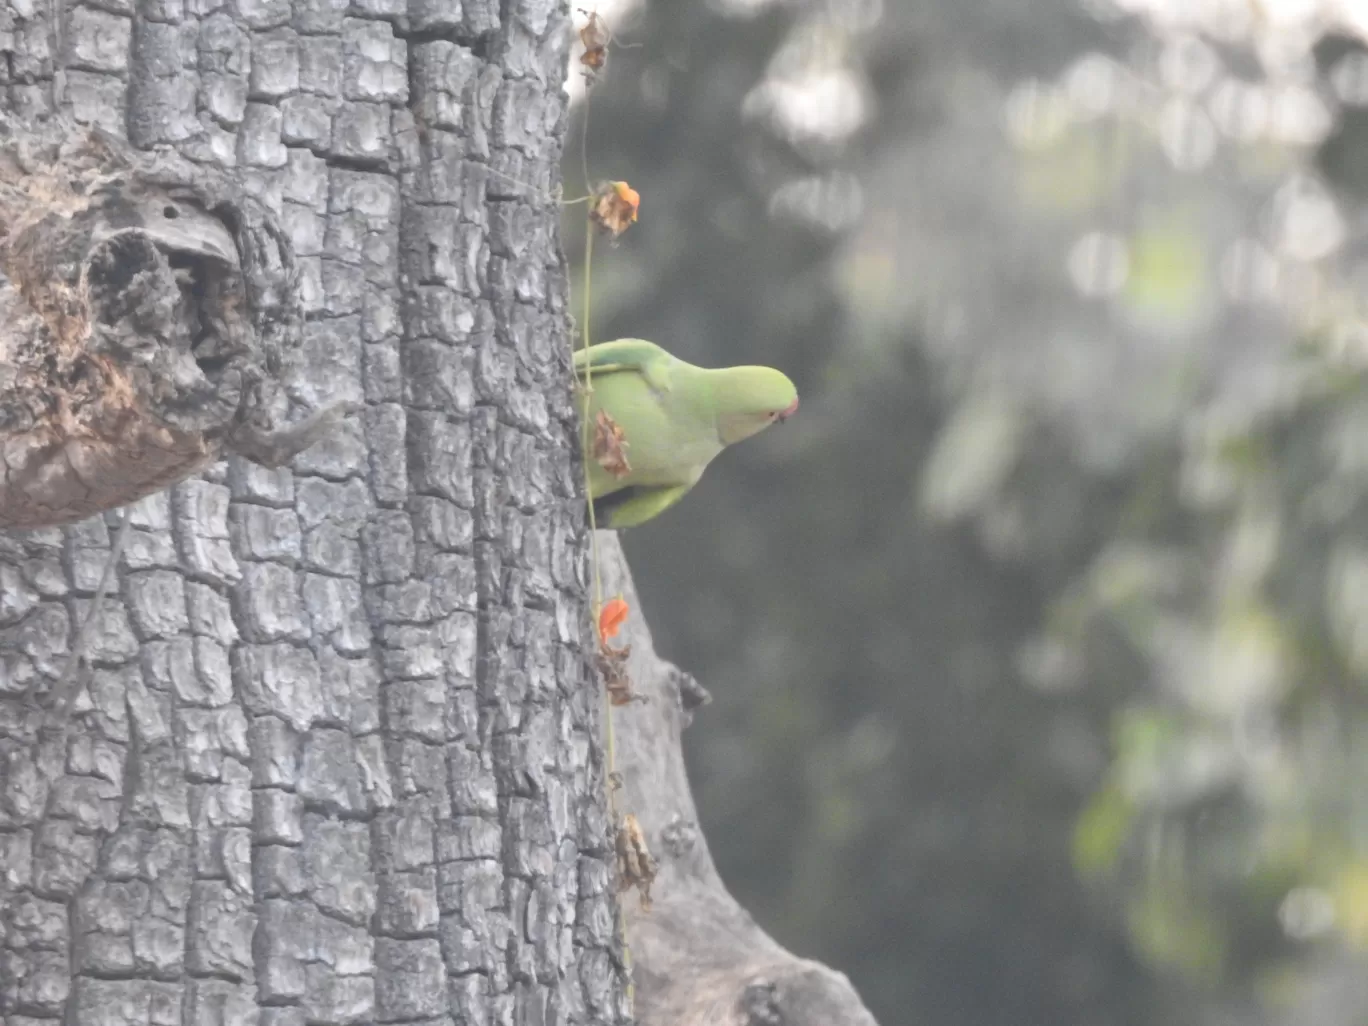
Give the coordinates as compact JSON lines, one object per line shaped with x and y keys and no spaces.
{"x":632,"y":355}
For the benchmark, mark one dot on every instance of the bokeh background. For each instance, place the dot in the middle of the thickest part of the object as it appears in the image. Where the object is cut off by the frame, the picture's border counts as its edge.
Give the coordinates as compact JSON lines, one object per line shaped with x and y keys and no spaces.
{"x":1039,"y":638}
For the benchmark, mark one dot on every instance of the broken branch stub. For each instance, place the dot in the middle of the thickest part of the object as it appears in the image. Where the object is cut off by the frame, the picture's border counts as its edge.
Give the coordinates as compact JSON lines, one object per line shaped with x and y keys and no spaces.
{"x":148,"y":312}
{"x":698,"y":957}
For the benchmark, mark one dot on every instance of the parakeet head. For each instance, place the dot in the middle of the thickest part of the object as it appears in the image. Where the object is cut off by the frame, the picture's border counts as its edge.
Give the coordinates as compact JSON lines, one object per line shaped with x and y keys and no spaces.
{"x":750,"y":399}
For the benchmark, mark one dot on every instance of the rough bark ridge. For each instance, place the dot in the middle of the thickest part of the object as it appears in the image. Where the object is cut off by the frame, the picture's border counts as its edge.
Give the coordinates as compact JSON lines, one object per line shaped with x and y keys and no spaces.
{"x":147,"y":307}
{"x":699,"y":958}
{"x":334,"y":760}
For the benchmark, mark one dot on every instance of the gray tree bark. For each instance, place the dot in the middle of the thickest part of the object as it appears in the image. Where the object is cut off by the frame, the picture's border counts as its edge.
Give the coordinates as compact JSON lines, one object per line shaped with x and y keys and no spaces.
{"x":334,"y":757}
{"x":148,"y":307}
{"x":333,"y":753}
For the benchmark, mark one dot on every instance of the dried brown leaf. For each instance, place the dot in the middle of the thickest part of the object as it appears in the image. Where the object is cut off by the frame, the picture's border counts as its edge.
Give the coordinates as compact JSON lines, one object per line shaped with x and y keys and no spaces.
{"x":636,"y":867}
{"x":595,"y":35}
{"x":612,"y":667}
{"x":610,"y":445}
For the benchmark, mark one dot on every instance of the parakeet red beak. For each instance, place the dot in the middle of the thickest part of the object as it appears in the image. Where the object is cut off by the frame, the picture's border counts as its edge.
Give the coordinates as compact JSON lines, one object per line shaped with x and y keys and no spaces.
{"x":788,"y":412}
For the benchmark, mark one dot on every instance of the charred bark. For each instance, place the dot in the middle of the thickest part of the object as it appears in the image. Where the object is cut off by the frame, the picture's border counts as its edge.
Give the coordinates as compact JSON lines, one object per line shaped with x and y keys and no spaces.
{"x":335,"y":756}
{"x":147,"y":311}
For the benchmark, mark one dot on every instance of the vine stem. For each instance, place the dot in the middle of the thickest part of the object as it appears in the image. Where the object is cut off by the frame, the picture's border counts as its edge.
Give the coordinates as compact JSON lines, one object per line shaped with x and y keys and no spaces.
{"x":586,"y":434}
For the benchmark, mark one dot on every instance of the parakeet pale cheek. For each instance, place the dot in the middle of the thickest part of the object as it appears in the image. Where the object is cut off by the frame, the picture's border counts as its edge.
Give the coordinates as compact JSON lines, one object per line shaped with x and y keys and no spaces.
{"x":734,"y":427}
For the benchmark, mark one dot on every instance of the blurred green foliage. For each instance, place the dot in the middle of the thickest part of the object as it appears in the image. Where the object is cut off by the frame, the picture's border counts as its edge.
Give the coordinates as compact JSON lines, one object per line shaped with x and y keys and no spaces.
{"x":1039,"y":639}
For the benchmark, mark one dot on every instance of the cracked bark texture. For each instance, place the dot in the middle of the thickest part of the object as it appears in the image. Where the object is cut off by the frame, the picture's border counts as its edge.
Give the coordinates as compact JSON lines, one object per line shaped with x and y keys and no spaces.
{"x":699,"y":959}
{"x":148,"y":308}
{"x":333,"y":760}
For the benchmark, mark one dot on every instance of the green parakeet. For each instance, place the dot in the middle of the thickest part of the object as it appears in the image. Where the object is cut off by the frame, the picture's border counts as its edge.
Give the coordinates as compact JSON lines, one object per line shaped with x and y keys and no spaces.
{"x":673,"y":419}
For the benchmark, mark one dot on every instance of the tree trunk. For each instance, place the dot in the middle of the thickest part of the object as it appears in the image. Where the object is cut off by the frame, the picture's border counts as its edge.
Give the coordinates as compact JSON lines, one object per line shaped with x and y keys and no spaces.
{"x":334,"y":758}
{"x":332,"y":751}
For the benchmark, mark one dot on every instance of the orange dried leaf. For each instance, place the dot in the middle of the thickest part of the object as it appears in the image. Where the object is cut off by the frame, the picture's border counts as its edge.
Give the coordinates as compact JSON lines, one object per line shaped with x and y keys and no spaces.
{"x":627,"y":195}
{"x":615,"y":208}
{"x":611,"y":662}
{"x":611,"y":618}
{"x":610,"y":445}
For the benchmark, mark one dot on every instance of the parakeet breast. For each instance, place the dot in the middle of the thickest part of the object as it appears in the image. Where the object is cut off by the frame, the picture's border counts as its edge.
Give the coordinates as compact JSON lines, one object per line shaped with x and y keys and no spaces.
{"x":668,"y":441}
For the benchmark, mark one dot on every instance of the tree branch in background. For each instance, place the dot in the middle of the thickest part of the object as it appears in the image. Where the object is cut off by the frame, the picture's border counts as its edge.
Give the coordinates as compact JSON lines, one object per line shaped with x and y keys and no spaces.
{"x":699,"y":958}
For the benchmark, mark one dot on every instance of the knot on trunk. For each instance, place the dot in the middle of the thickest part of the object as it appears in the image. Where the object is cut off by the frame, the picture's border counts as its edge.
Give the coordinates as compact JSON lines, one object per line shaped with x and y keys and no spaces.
{"x":801,"y":994}
{"x":148,"y":313}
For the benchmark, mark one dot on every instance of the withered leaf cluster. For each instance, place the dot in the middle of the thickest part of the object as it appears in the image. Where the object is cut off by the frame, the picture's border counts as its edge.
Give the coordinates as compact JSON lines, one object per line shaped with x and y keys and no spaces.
{"x":610,"y":445}
{"x":595,"y":35}
{"x":611,"y":662}
{"x":615,"y":207}
{"x":636,"y":867}
{"x":612,"y":667}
